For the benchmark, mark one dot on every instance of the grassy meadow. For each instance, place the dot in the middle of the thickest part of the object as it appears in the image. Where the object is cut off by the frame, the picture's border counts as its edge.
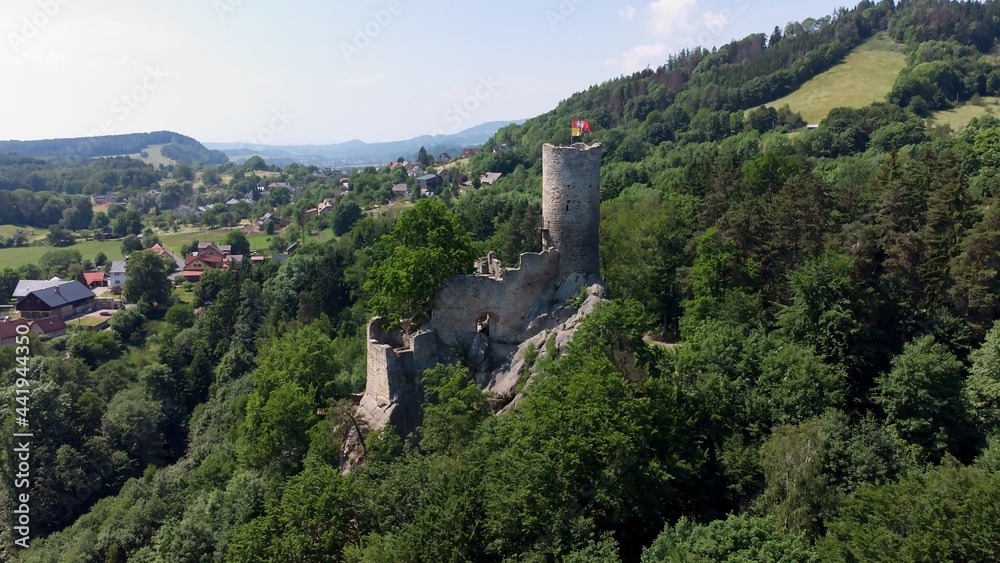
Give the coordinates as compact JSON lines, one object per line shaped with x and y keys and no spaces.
{"x":958,"y":117}
{"x":865,"y":76}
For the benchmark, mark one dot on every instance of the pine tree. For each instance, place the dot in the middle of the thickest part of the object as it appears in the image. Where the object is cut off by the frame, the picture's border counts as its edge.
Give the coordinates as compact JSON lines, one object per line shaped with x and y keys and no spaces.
{"x":948,"y":218}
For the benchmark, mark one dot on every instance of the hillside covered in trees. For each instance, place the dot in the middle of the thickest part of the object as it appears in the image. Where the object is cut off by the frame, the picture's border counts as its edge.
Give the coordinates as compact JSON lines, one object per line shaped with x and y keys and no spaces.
{"x":182,"y":149}
{"x":833,"y":394}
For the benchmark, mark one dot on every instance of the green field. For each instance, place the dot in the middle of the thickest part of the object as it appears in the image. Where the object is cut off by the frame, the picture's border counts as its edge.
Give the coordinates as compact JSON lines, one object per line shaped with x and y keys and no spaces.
{"x":174,"y":241}
{"x":14,"y":257}
{"x":960,"y":116}
{"x":88,"y":321}
{"x":31,"y":232}
{"x":154,"y":156}
{"x":866,"y":76}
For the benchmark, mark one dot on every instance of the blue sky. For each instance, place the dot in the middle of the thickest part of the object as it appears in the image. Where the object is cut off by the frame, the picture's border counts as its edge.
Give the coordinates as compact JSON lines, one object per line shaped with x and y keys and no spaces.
{"x":311,"y":71}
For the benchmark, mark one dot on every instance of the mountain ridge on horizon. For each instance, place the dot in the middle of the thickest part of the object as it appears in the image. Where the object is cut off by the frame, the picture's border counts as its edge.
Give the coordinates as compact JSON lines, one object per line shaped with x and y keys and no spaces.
{"x":358,"y":152}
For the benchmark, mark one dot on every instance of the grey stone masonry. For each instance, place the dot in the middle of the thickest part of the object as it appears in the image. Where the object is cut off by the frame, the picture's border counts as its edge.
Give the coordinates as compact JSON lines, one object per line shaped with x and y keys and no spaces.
{"x":571,"y":206}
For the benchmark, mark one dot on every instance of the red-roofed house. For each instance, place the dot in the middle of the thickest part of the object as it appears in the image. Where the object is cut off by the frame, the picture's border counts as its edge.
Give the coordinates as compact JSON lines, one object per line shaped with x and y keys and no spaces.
{"x":196,"y":265}
{"x":94,"y":279}
{"x":163,"y":252}
{"x":9,"y":332}
{"x":49,"y":326}
{"x":211,"y":249}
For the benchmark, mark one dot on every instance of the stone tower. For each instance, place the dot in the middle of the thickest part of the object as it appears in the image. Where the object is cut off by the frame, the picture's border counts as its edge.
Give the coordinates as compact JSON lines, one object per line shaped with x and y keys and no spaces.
{"x":571,"y":206}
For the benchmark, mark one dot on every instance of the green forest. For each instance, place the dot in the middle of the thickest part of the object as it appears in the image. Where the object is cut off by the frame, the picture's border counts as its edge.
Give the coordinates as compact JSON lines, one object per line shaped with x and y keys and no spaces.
{"x":829,"y":391}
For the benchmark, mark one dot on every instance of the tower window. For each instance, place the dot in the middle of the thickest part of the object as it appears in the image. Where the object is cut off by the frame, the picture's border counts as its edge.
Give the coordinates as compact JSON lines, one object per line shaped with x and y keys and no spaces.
{"x":567,"y":206}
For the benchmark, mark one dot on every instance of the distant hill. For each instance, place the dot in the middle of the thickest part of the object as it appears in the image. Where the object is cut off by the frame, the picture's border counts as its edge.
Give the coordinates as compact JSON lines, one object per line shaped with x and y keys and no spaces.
{"x":357,"y":153}
{"x":173,"y":146}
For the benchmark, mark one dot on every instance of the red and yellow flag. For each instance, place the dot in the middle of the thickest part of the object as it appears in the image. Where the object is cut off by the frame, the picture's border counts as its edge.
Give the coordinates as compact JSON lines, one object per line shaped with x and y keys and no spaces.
{"x":580,"y":126}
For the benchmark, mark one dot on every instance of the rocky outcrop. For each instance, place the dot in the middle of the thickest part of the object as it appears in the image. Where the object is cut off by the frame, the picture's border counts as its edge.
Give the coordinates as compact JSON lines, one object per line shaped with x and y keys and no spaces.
{"x":560,"y":325}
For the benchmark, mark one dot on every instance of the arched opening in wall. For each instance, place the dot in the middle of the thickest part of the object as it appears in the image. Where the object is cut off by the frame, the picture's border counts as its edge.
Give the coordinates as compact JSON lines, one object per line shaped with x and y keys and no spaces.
{"x":485,"y":321}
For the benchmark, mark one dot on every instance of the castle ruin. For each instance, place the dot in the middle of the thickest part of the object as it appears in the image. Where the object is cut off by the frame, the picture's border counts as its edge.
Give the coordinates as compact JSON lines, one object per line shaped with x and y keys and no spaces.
{"x":495,"y":311}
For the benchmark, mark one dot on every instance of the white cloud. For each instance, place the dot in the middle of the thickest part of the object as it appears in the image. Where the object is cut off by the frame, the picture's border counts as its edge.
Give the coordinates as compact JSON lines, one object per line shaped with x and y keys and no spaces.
{"x":672,"y":25}
{"x":668,"y":17}
{"x":639,"y":57}
{"x":628,"y":13}
{"x":684,"y":20}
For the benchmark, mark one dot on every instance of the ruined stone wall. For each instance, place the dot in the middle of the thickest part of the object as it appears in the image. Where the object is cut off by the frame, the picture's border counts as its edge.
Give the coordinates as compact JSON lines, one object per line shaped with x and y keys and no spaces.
{"x":511,"y":300}
{"x":392,"y":394}
{"x":571,"y":205}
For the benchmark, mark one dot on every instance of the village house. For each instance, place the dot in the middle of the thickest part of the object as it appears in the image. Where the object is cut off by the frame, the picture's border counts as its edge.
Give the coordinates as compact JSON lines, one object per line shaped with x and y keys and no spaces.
{"x":93,"y":280}
{"x":24,"y":287}
{"x":167,"y":255}
{"x":8,"y":330}
{"x":66,"y":300}
{"x":466,"y":153}
{"x":220,"y":251}
{"x":116,"y":274}
{"x":431,"y":183}
{"x":103,"y":199}
{"x":210,"y":256}
{"x":269,"y":217}
{"x":195,"y":266}
{"x":49,"y":327}
{"x":323,"y":208}
{"x":490,"y":178}
{"x":400,"y":190}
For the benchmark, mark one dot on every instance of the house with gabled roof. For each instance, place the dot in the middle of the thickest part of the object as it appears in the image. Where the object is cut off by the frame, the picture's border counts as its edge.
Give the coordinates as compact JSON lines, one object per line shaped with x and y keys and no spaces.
{"x":94,"y":280}
{"x":24,"y":287}
{"x":432,"y":183}
{"x":400,"y":190}
{"x":220,"y":251}
{"x":49,"y":327}
{"x":195,"y":266}
{"x":64,"y":300}
{"x":9,"y":330}
{"x":490,"y":178}
{"x":116,"y":274}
